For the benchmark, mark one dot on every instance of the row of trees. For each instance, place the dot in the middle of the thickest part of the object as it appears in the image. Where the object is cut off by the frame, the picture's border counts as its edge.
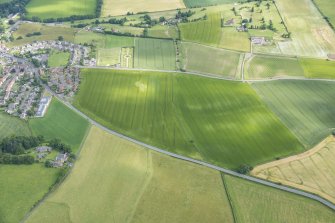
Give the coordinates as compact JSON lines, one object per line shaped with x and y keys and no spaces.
{"x":17,"y":145}
{"x":13,"y":7}
{"x":13,"y":150}
{"x":59,"y":146}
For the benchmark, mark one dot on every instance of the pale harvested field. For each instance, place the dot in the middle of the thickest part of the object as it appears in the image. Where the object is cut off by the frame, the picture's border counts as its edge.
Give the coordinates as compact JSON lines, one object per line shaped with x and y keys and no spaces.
{"x":116,"y":7}
{"x":114,"y":180}
{"x":313,"y":171}
{"x":311,"y":35}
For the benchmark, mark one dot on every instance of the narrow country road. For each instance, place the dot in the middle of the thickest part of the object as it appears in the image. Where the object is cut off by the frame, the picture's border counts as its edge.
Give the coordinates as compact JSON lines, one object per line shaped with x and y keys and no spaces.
{"x":212,"y":76}
{"x":223,"y":170}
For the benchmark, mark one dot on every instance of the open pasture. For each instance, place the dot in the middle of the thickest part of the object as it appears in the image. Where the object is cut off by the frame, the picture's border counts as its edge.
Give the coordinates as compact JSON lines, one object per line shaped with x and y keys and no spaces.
{"x":103,"y":41}
{"x":154,"y":54}
{"x":317,"y":68}
{"x":204,"y":31}
{"x":136,"y":31}
{"x":198,"y":117}
{"x":305,"y":107}
{"x":312,"y":171}
{"x":22,"y":186}
{"x":234,"y":40}
{"x":58,"y":59}
{"x":259,"y":67}
{"x":223,"y":62}
{"x":115,"y":7}
{"x":10,"y":125}
{"x":254,"y":203}
{"x":61,"y":122}
{"x":45,"y":9}
{"x":47,"y":33}
{"x":202,"y":3}
{"x":311,"y":35}
{"x":108,"y":57}
{"x":327,"y":8}
{"x":168,"y":32}
{"x":120,"y":181}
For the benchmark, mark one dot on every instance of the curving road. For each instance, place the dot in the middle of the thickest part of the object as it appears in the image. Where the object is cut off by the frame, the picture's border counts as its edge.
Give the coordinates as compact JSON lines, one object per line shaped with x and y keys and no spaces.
{"x":223,"y":170}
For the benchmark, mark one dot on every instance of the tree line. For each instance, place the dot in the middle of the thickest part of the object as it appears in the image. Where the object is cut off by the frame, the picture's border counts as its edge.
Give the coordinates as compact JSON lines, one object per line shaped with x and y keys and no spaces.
{"x":13,"y":149}
{"x":13,"y":7}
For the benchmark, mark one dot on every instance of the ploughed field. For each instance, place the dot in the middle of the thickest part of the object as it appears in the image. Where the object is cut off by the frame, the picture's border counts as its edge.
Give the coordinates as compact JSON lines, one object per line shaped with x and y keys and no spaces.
{"x":221,"y":122}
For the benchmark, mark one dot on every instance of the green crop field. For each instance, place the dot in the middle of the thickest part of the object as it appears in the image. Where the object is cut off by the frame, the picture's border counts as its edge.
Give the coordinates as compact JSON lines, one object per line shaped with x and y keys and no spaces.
{"x":133,"y":184}
{"x":4,"y":1}
{"x":199,"y":117}
{"x":311,"y":35}
{"x":268,"y":67}
{"x":254,"y":203}
{"x":22,"y":186}
{"x":58,"y":59}
{"x":327,"y":8}
{"x":154,"y":54}
{"x":47,"y":33}
{"x":315,"y":68}
{"x":306,"y":107}
{"x":44,"y":9}
{"x":10,"y":125}
{"x":205,"y":31}
{"x":61,"y":122}
{"x":224,"y":63}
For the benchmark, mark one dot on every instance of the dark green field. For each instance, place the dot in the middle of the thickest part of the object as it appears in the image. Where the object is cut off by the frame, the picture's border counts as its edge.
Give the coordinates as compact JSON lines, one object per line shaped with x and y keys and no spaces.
{"x":218,"y":121}
{"x":59,"y":8}
{"x":61,"y":122}
{"x":306,"y":107}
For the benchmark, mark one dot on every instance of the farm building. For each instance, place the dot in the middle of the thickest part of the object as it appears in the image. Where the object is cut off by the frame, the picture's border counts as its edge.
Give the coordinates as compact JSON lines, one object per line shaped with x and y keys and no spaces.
{"x":257,"y":40}
{"x":43,"y":149}
{"x":60,"y":160}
